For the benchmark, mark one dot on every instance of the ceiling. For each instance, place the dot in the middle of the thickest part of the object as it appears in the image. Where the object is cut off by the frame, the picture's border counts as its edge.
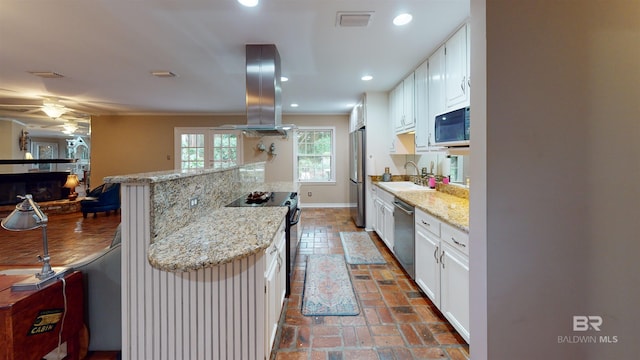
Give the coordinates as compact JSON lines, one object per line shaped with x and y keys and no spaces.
{"x":107,"y":49}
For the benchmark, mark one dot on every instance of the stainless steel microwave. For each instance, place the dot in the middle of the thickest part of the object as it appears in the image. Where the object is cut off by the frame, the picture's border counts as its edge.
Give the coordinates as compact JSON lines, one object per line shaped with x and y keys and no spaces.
{"x":452,"y":128}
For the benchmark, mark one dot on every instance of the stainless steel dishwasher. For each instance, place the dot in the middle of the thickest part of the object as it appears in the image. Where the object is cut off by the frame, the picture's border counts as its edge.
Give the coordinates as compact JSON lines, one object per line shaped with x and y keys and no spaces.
{"x":403,"y":236}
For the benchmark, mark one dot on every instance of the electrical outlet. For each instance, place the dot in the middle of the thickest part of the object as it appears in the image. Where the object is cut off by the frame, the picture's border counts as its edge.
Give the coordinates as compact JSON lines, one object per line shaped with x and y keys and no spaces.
{"x":309,"y":194}
{"x":193,"y":202}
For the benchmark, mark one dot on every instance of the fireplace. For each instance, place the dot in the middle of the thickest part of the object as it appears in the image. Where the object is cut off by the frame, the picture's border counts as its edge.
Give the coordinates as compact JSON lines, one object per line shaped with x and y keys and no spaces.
{"x":44,"y":186}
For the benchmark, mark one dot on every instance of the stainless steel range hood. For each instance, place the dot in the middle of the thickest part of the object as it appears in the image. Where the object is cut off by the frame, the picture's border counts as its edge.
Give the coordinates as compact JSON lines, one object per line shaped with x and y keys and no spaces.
{"x":263,"y":94}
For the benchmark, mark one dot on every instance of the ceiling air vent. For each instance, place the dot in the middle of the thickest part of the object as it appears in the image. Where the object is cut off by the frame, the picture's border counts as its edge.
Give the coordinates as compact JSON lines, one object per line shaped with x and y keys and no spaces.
{"x":353,"y":18}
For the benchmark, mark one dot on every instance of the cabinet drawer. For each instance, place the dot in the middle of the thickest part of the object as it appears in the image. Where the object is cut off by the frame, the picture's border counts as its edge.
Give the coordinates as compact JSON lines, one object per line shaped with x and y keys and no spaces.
{"x":428,"y":222}
{"x":456,"y":238}
{"x":385,"y":196}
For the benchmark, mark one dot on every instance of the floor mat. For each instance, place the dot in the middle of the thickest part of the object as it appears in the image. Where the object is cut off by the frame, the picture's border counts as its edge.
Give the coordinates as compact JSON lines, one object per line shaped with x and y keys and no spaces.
{"x":360,"y":249}
{"x":327,"y":287}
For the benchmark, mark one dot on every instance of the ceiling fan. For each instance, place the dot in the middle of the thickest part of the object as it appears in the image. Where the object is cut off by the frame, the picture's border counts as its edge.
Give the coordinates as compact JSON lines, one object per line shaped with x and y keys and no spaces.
{"x":46,"y":113}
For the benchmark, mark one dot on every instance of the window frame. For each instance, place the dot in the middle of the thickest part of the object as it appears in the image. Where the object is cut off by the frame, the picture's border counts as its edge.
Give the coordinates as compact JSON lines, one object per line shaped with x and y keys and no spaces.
{"x":208,"y":145}
{"x":332,"y":180}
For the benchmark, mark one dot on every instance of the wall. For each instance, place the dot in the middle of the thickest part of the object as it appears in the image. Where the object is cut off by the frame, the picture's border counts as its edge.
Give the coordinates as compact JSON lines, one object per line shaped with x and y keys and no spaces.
{"x":561,"y":180}
{"x":133,"y":144}
{"x":330,"y":194}
{"x":10,"y":131}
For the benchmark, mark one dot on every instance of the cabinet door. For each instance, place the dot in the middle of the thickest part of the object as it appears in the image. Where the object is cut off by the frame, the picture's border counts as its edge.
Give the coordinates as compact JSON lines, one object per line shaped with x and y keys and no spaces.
{"x":454,"y":288}
{"x":388,"y":225}
{"x":408,"y":102}
{"x":427,"y":264}
{"x":379,"y":225}
{"x":397,"y":108}
{"x":436,"y":90}
{"x":271,"y":296}
{"x":456,"y":70}
{"x":421,"y":98}
{"x":281,"y":275}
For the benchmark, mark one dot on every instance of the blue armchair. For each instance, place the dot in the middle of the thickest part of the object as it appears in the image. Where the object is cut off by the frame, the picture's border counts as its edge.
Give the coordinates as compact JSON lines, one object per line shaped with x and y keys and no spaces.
{"x":105,"y":197}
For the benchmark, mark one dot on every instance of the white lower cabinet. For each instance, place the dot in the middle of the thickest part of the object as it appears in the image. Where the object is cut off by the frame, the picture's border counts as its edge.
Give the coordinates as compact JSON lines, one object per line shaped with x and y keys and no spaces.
{"x":442,"y":268}
{"x":454,"y":288}
{"x":275,"y":286}
{"x":427,"y":264}
{"x":383,"y":205}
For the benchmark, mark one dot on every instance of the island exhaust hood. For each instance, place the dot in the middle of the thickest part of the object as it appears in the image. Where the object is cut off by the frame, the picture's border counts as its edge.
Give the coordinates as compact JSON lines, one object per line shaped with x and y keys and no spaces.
{"x":263,"y":94}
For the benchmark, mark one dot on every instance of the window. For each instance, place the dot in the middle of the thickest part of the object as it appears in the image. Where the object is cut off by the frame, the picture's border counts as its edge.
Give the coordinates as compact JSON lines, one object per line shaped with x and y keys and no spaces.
{"x":315,"y":155}
{"x":192,"y":151}
{"x":225,"y":150}
{"x":198,"y":148}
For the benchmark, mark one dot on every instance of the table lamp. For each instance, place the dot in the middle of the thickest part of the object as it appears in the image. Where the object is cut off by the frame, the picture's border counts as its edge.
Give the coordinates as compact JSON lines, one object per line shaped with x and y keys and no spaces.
{"x":27,"y":216}
{"x":72,"y":182}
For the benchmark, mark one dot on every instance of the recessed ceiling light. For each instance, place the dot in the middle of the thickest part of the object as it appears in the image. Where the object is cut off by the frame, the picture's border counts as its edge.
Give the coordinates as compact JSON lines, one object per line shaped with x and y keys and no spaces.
{"x":294,"y":105}
{"x":248,"y":3}
{"x":367,"y":78}
{"x":284,"y":78}
{"x":402,"y":19}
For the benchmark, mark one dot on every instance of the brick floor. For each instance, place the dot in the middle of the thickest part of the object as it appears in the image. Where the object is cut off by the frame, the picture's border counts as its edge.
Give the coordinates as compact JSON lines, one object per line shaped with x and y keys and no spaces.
{"x":397,"y":321}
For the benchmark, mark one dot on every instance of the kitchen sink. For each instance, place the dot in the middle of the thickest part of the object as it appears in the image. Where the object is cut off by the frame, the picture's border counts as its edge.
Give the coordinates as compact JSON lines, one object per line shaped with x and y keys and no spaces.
{"x":403,"y":186}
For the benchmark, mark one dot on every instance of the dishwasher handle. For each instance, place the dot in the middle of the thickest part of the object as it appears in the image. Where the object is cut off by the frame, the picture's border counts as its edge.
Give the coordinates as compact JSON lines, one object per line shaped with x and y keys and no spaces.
{"x":401,"y":206}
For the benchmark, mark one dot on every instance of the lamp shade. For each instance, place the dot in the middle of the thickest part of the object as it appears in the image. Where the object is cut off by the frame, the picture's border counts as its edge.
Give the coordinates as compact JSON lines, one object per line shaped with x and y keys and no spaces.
{"x":72,"y":181}
{"x":24,"y":217}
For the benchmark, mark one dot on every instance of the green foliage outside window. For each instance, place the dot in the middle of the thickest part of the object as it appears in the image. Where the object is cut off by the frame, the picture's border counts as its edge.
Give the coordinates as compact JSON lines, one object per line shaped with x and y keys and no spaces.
{"x":315,"y":155}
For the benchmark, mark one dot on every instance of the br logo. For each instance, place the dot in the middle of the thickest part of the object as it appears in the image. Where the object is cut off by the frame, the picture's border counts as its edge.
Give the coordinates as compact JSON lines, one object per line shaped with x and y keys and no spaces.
{"x":585,"y":323}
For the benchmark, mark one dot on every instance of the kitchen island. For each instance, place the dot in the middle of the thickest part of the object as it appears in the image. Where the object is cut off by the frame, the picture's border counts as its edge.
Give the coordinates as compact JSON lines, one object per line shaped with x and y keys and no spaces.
{"x":200,"y":281}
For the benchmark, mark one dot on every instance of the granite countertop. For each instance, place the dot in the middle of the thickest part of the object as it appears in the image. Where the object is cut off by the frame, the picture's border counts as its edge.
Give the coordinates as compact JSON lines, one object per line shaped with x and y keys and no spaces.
{"x":222,"y":236}
{"x":451,"y":209}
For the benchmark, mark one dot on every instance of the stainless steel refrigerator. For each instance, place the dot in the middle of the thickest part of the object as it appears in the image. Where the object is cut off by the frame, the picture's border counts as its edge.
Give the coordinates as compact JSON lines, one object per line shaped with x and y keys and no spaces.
{"x":357,"y":176}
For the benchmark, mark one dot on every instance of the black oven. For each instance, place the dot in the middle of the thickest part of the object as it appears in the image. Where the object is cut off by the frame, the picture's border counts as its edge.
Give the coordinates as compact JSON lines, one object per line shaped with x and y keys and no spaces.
{"x":290,"y":200}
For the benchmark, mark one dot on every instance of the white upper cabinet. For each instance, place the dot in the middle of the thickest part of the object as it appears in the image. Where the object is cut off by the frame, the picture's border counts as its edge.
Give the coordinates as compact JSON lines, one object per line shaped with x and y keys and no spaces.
{"x":436,"y":83}
{"x":456,"y":70}
{"x":422,"y":107}
{"x":408,"y":102}
{"x":401,"y":103}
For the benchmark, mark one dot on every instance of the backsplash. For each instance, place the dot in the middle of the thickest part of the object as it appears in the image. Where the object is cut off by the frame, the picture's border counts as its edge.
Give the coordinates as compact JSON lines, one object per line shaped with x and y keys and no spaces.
{"x":459,"y":191}
{"x":454,"y":190}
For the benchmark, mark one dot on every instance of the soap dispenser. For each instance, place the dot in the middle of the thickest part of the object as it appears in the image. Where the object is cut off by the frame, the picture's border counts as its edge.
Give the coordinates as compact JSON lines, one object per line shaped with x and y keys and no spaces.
{"x":387,"y":175}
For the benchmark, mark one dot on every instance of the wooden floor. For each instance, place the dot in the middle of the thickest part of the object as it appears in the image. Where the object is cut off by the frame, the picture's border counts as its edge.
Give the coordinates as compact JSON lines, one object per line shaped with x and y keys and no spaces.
{"x":70,"y":238}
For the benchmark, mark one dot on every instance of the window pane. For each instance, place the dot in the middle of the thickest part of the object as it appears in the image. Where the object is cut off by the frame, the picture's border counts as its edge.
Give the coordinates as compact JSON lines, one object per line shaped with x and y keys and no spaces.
{"x":315,"y":157}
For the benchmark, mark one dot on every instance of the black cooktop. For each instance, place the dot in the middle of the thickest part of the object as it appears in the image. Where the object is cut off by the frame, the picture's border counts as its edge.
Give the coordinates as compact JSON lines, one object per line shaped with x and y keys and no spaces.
{"x":268,"y":199}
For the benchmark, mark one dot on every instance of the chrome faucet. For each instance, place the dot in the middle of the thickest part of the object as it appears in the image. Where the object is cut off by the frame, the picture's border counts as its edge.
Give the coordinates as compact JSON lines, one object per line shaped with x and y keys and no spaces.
{"x":414,"y":165}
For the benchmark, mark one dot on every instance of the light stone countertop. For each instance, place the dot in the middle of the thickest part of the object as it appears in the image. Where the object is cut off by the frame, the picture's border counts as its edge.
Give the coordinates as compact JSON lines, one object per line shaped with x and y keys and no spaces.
{"x":157,"y":176}
{"x":222,"y":236}
{"x":451,"y":209}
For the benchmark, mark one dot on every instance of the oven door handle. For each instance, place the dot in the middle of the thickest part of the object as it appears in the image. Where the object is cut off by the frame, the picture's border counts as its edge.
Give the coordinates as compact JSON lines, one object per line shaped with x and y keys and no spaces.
{"x":296,"y":217}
